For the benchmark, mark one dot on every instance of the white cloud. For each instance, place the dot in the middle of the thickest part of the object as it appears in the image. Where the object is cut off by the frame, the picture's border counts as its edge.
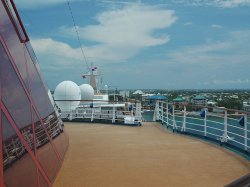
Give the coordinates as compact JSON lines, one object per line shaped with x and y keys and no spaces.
{"x":56,"y":49}
{"x":226,"y":59}
{"x":237,"y":81}
{"x":200,"y":54}
{"x":216,"y":3}
{"x":232,"y":3}
{"x":121,"y":33}
{"x":216,"y":26}
{"x":188,"y":23}
{"x":132,"y":25}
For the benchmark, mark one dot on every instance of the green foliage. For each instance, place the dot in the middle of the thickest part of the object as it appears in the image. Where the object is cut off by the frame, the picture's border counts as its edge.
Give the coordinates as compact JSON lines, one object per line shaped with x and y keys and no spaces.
{"x":231,"y":103}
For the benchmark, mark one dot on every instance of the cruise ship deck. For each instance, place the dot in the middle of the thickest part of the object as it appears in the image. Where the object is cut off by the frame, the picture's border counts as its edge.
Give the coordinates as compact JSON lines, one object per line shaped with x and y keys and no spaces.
{"x":112,"y":155}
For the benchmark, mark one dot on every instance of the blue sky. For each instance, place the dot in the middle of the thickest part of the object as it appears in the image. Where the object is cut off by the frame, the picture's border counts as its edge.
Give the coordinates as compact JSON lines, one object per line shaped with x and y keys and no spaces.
{"x":178,"y":44}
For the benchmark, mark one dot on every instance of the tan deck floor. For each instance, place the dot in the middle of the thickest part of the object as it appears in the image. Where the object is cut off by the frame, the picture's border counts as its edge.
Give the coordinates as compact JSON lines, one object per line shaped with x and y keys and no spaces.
{"x":113,"y":156}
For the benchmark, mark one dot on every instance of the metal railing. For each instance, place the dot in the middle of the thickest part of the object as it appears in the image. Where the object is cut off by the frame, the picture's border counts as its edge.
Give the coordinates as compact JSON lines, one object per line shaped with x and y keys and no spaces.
{"x":96,"y":112}
{"x":230,"y":127}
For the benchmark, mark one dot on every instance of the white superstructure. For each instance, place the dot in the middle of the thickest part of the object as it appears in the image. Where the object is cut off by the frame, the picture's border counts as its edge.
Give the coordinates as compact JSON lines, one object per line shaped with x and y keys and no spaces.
{"x":86,"y":103}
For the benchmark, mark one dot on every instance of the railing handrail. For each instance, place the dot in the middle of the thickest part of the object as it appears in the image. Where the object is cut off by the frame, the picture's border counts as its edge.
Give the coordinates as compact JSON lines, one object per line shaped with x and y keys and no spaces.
{"x":211,"y":107}
{"x":166,"y":113}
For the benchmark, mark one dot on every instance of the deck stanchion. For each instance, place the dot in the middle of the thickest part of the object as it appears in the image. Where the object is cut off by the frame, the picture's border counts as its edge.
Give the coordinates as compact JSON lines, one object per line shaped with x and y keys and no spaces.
{"x":92,"y":115}
{"x":113,"y":117}
{"x":183,"y":129}
{"x":245,"y":131}
{"x":174,"y":124}
{"x":225,"y":123}
{"x":167,"y":115}
{"x":205,"y":124}
{"x":224,"y":137}
{"x":162,"y":113}
{"x":156,"y":112}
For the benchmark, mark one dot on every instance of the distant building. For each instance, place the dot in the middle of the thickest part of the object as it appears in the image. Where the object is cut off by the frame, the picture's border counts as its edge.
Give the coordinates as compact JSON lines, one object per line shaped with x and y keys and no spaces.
{"x":234,"y":96}
{"x":138,"y":95}
{"x":179,"y":101}
{"x":212,"y":103}
{"x":125,"y":93}
{"x":199,"y":100}
{"x":246,"y":107}
{"x":139,"y":92}
{"x":151,"y":100}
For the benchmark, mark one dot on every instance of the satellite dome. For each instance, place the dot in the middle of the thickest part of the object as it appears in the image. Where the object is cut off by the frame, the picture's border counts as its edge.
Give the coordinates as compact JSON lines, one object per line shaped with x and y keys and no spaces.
{"x":67,"y":90}
{"x":87,"y":92}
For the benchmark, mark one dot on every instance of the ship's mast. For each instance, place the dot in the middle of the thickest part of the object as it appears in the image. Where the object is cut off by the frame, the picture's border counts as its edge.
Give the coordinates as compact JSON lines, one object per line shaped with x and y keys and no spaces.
{"x":93,"y":78}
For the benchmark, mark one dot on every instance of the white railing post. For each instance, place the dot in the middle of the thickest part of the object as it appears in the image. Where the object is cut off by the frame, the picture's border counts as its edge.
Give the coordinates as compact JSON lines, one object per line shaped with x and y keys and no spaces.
{"x":205,"y":123}
{"x":167,"y":114}
{"x":92,"y":114}
{"x":70,"y":115}
{"x":225,"y":123}
{"x":245,"y":131}
{"x":156,"y":112}
{"x":183,"y":128}
{"x":138,"y":111}
{"x":225,"y":137}
{"x":174,"y":124}
{"x":113,"y":116}
{"x":162,"y":113}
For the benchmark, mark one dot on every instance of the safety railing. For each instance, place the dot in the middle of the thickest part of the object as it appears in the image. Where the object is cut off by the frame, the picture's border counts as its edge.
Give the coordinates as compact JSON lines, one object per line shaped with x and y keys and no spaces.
{"x":94,"y":112}
{"x":226,"y":126}
{"x":13,"y":149}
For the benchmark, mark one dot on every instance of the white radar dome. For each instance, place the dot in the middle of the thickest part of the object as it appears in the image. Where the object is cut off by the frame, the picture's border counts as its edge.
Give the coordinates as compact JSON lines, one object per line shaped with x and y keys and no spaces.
{"x":87,"y":92}
{"x":70,"y":94}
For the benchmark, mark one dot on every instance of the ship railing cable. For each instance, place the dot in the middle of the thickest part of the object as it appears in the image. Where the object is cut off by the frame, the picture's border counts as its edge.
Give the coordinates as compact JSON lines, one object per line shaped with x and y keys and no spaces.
{"x":77,"y":34}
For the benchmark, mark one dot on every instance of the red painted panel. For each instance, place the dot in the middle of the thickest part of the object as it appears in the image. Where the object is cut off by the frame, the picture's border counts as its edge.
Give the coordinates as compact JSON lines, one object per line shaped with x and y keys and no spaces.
{"x":45,"y":154}
{"x":1,"y":146}
{"x":12,"y":41}
{"x":13,"y":94}
{"x":19,"y":168}
{"x":13,"y":125}
{"x":32,"y":102}
{"x":38,"y":92}
{"x":25,"y":103}
{"x":42,"y":182}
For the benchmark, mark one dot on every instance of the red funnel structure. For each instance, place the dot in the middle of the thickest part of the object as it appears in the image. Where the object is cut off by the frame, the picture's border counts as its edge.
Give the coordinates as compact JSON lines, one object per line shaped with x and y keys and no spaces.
{"x":33,"y":143}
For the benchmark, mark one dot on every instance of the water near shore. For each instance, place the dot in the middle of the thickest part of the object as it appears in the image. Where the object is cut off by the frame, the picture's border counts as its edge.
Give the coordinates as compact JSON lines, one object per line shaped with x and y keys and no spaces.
{"x":148,"y":116}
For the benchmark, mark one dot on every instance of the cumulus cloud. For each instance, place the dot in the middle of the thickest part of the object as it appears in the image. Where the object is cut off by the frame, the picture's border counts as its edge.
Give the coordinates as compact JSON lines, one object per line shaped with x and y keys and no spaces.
{"x":49,"y":46}
{"x":200,"y":54}
{"x":188,"y":23}
{"x":132,"y":25}
{"x":232,"y":3}
{"x":216,"y":26}
{"x":215,"y":64}
{"x":216,"y":3}
{"x":237,"y":81}
{"x":121,"y":33}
